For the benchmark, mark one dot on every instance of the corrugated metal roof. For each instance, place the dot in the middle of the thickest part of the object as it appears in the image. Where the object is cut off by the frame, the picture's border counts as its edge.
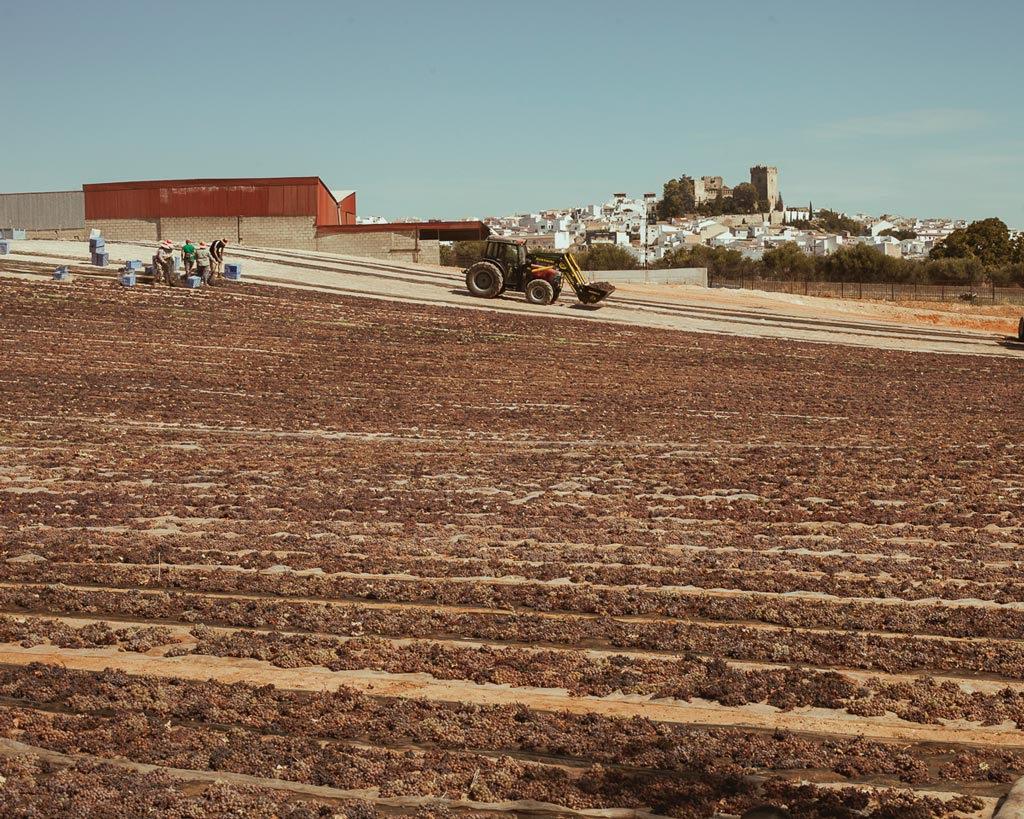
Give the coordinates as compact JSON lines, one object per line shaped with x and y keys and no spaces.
{"x":191,"y":183}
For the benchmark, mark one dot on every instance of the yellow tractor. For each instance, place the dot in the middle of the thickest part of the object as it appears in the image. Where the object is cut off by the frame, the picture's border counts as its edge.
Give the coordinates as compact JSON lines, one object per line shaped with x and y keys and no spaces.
{"x":539,"y":275}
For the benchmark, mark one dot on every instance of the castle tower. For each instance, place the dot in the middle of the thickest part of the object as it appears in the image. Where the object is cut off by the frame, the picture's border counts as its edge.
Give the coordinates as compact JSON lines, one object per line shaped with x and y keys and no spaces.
{"x":766,"y":180}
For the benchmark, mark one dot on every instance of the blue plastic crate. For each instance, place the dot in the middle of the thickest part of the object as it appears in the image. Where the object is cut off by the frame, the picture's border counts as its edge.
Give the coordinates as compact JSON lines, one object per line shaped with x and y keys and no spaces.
{"x":128,"y":279}
{"x":96,"y":244}
{"x":193,"y":282}
{"x":5,"y":248}
{"x":232,"y":268}
{"x":233,"y":275}
{"x":101,"y":259}
{"x":134,"y":264}
{"x":61,"y":274}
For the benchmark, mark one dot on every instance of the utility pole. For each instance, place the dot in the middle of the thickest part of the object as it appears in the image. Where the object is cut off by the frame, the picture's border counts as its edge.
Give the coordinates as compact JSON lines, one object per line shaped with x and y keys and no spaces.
{"x":643,"y":237}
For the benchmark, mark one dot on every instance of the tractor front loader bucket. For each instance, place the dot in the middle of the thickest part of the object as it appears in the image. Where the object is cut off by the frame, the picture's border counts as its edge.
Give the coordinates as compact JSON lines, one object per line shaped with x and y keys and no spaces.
{"x":586,"y":292}
{"x":594,"y":292}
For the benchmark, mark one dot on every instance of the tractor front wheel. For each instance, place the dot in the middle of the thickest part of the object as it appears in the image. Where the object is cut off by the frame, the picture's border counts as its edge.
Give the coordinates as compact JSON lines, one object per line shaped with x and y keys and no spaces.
{"x":539,"y":291}
{"x":1020,"y":330}
{"x":485,"y":280}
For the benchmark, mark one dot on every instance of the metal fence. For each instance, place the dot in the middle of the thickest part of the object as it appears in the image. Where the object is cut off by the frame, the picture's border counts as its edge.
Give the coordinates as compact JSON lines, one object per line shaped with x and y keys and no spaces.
{"x":878,"y":291}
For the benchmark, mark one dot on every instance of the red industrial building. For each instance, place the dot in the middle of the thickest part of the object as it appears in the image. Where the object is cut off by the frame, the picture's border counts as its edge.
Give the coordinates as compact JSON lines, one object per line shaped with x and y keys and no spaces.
{"x":292,"y":212}
{"x":211,"y":198}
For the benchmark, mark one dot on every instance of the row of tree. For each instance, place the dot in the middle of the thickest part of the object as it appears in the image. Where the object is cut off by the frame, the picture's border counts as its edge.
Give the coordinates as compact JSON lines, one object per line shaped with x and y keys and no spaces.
{"x":679,"y":199}
{"x":828,"y":221}
{"x":981,"y":253}
{"x":957,"y":263}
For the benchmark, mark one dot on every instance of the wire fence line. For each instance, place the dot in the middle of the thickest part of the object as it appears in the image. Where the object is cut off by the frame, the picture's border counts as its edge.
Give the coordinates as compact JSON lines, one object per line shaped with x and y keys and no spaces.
{"x":877,"y":291}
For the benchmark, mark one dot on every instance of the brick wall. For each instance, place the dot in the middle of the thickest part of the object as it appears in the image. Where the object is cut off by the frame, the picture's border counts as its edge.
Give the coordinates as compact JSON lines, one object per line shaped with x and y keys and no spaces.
{"x":126,"y":230}
{"x":430,"y":252}
{"x":297,"y":232}
{"x":199,"y":228}
{"x":66,"y":233}
{"x":398,"y":247}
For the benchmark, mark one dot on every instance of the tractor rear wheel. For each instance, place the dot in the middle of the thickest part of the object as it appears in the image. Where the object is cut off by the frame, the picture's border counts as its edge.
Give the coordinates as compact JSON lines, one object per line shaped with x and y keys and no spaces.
{"x":485,"y":279}
{"x":539,"y":291}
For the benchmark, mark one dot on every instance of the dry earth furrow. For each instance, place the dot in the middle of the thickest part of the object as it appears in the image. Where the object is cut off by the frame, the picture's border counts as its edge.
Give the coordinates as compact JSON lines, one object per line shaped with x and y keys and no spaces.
{"x":966,"y":681}
{"x":291,"y":607}
{"x":399,"y":805}
{"x":955,"y":618}
{"x":588,"y":672}
{"x":575,"y":560}
{"x":419,"y":686}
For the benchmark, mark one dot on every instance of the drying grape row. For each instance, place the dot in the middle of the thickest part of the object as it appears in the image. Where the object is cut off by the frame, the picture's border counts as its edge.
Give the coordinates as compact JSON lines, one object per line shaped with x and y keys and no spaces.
{"x":353,"y":489}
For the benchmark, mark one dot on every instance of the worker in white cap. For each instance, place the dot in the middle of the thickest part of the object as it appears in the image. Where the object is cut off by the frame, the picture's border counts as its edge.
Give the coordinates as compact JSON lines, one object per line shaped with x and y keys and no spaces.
{"x":203,"y":263}
{"x":163,"y":264}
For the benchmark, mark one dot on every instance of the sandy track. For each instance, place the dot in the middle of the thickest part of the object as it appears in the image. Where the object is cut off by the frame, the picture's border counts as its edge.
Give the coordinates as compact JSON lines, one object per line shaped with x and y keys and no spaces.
{"x":666,"y":307}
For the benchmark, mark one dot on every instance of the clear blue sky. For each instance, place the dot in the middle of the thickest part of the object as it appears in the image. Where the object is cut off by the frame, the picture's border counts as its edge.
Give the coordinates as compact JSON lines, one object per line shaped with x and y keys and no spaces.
{"x":454,"y":109}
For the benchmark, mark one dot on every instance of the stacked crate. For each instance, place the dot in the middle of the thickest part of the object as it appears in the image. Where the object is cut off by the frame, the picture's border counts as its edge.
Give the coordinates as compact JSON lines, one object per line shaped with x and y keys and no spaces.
{"x":128,"y":272}
{"x":97,"y":247}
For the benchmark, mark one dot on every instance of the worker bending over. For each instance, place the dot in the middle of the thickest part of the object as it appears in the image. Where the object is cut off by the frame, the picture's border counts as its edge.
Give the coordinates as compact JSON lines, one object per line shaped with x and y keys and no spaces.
{"x":217,"y":256}
{"x":163,"y":264}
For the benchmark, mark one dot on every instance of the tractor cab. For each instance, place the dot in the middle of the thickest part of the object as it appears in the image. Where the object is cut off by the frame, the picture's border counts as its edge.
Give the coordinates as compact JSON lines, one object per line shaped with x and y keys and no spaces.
{"x":510,"y":254}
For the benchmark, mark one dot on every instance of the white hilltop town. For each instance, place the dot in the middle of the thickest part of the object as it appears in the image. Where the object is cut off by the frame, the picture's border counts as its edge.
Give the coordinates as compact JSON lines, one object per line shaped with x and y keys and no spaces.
{"x":633,"y":224}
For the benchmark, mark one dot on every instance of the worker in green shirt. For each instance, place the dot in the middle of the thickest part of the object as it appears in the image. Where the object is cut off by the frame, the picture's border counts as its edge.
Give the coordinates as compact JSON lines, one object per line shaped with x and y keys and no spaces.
{"x":188,"y":255}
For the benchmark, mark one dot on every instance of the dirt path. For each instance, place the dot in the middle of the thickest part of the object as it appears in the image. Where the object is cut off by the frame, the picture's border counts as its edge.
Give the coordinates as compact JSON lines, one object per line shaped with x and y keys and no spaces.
{"x":686,"y":308}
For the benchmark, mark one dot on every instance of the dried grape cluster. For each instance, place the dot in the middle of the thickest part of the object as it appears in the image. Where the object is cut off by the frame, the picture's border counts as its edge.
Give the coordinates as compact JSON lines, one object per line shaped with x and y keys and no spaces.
{"x":31,"y":787}
{"x":188,"y":744}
